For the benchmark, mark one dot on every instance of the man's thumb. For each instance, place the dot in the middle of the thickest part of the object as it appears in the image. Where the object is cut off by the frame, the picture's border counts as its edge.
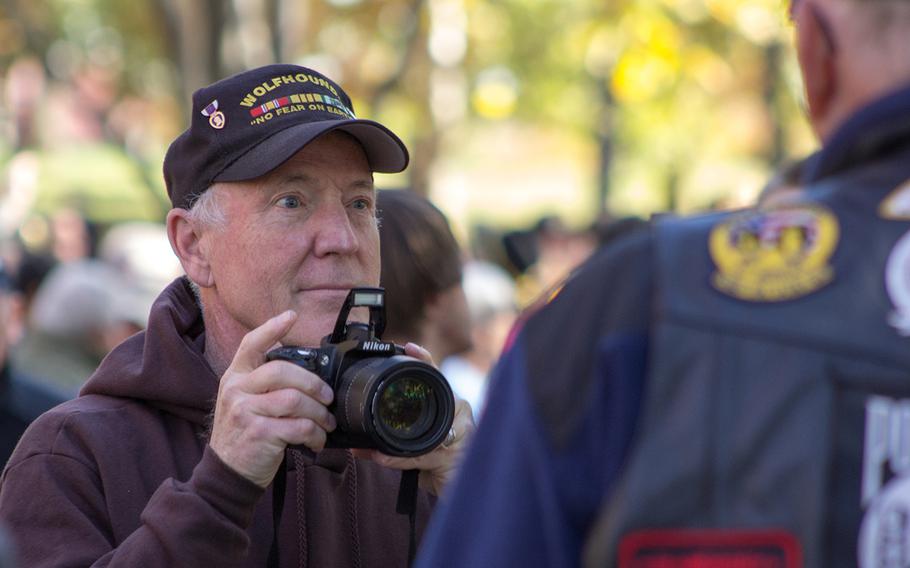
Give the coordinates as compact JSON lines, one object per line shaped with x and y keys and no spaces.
{"x":256,"y":343}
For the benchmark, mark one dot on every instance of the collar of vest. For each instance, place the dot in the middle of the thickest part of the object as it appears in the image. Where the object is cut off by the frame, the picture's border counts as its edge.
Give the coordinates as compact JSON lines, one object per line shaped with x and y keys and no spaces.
{"x":873,"y":131}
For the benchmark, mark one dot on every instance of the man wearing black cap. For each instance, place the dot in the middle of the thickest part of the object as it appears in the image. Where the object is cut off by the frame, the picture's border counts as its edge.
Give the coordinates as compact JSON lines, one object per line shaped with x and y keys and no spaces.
{"x":168,"y":456}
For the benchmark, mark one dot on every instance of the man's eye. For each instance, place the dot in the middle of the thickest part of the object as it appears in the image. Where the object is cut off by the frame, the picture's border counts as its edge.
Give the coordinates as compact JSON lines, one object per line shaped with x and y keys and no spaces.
{"x":289,"y":202}
{"x":361,"y":204}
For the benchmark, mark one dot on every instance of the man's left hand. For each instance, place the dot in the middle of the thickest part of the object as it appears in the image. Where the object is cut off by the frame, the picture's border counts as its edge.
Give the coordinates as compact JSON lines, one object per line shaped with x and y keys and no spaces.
{"x":438,"y":467}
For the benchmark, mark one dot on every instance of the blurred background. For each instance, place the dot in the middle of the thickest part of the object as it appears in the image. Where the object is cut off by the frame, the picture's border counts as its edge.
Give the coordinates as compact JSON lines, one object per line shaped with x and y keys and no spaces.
{"x":536,"y":126}
{"x":513,"y":109}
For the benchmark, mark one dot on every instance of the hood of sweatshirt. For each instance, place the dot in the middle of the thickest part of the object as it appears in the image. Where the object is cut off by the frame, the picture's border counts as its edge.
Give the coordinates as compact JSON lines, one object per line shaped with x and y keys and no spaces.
{"x":174,"y":343}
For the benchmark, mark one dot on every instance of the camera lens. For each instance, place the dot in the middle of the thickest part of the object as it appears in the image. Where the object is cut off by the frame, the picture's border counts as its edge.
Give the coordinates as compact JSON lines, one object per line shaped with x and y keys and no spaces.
{"x":406,"y":407}
{"x":402,"y":406}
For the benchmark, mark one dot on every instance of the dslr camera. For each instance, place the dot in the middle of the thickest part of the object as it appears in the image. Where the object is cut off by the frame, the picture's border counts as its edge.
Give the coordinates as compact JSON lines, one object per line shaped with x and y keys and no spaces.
{"x":384,"y":399}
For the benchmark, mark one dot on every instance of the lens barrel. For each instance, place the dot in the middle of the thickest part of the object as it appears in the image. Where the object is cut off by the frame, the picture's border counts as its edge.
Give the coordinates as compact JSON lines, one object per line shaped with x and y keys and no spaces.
{"x":403,"y":405}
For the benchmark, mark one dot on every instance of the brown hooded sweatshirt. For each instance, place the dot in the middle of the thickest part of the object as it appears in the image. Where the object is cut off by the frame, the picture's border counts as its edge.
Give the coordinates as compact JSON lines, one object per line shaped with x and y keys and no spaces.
{"x":123,"y":476}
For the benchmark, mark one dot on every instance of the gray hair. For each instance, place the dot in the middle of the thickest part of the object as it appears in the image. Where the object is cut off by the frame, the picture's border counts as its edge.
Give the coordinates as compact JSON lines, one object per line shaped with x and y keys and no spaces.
{"x":206,"y":210}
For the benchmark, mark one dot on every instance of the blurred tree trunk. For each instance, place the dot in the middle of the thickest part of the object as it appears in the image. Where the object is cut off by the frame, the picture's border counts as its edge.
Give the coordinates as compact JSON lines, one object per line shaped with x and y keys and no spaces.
{"x":273,"y":20}
{"x":410,"y":46}
{"x":772,"y":86}
{"x":423,"y":152}
{"x":605,"y":133}
{"x":672,"y":189}
{"x":293,"y":28}
{"x":34,"y":19}
{"x":253,"y":33}
{"x":412,"y":74}
{"x":197,"y":27}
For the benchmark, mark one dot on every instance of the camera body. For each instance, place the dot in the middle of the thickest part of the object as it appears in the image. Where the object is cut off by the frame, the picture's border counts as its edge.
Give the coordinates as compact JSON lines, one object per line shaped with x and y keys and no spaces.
{"x":384,"y":399}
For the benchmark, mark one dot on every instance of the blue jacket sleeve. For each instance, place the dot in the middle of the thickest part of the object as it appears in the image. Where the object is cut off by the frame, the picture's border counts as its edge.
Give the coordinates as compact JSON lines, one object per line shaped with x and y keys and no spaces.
{"x":530,"y":486}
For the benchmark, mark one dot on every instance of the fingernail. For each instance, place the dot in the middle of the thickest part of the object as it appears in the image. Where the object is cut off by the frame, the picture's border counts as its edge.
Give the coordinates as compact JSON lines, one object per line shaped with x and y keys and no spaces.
{"x":327,"y":394}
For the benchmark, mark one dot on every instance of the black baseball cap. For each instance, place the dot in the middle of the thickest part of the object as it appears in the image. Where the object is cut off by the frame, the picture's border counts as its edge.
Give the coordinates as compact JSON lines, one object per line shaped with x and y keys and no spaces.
{"x":247,"y":125}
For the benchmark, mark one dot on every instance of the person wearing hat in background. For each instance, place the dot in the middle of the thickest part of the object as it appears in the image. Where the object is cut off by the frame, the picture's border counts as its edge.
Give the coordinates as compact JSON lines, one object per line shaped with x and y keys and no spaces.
{"x":167,"y":457}
{"x":82,"y":310}
{"x":490,"y":292}
{"x":730,"y":389}
{"x":22,"y":398}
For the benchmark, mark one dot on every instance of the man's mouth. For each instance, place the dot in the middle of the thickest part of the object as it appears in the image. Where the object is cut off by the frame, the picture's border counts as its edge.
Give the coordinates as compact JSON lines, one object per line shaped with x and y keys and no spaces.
{"x":329,"y":288}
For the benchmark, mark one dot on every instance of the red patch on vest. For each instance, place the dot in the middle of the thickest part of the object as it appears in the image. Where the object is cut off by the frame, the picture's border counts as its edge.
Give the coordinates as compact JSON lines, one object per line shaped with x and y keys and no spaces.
{"x":710,"y":549}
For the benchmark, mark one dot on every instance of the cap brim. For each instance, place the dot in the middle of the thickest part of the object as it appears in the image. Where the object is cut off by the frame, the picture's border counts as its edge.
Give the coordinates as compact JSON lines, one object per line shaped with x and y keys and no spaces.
{"x":385,"y":152}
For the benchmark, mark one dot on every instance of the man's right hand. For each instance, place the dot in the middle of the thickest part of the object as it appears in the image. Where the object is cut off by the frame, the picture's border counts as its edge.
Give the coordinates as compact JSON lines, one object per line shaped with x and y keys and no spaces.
{"x":263,"y":407}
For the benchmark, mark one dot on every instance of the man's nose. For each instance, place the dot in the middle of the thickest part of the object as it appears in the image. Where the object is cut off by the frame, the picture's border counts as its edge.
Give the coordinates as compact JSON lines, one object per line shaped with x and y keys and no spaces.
{"x":334,"y":232}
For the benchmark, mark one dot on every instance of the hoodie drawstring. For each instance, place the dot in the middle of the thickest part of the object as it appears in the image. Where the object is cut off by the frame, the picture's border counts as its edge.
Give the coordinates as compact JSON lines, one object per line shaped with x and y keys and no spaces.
{"x":278,"y":495}
{"x":352,"y":510}
{"x":302,"y":540}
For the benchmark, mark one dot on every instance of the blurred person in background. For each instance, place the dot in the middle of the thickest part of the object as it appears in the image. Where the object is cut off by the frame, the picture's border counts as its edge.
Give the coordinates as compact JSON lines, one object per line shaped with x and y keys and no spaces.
{"x":561,"y":249}
{"x":421,"y":272}
{"x":490,"y":293}
{"x":82,"y":310}
{"x":22,"y":399}
{"x":31,"y":270}
{"x":545,"y":254}
{"x":608,"y":228}
{"x":730,"y":389}
{"x":74,"y":237}
{"x":187,"y":447}
{"x":141,"y":252}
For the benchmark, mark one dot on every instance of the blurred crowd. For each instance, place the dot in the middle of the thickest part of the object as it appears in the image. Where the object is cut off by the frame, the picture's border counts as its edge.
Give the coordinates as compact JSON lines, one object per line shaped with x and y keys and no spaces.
{"x":77,"y":293}
{"x":461,"y":304}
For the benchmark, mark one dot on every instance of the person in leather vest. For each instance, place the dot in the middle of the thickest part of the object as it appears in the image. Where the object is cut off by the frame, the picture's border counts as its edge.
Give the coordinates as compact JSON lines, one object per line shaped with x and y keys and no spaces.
{"x":731,"y":389}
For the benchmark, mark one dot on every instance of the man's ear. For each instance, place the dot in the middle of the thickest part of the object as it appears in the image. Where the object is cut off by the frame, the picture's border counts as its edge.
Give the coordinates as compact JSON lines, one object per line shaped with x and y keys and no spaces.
{"x":186,"y":241}
{"x":816,"y":52}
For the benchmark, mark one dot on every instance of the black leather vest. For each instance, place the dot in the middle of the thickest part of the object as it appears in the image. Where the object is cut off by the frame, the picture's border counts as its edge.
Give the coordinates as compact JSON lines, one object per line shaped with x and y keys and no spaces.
{"x":778,"y":394}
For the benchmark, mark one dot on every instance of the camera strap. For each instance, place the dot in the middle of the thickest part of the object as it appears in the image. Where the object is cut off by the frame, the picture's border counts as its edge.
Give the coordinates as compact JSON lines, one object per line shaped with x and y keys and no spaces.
{"x":279,"y":486}
{"x":407,"y":505}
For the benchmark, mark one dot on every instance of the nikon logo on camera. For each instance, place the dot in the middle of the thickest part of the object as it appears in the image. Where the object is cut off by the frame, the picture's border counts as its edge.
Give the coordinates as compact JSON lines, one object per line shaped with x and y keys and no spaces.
{"x":376,"y":346}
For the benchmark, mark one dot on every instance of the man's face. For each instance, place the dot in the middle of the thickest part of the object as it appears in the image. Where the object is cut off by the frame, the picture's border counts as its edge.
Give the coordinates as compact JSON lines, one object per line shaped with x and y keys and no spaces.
{"x":297,"y":238}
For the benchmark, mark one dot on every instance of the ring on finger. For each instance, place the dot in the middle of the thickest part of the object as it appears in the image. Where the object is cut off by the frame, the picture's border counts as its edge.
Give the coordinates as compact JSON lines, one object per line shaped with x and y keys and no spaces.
{"x":450,"y":438}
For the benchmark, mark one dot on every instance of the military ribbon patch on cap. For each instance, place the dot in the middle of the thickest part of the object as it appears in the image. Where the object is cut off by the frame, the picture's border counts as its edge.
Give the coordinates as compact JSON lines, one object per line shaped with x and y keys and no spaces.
{"x":216,"y":117}
{"x":772,"y":256}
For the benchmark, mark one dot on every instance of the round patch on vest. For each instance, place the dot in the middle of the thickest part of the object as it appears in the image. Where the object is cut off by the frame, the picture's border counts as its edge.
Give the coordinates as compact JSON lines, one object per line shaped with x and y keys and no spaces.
{"x":773,"y":256}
